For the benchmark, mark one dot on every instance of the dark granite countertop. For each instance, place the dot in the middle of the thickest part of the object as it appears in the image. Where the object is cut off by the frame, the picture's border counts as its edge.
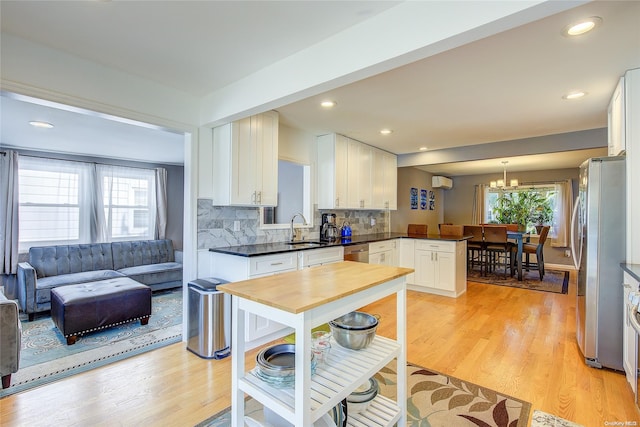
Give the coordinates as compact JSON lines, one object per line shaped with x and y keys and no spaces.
{"x":632,"y":269}
{"x":280,"y":247}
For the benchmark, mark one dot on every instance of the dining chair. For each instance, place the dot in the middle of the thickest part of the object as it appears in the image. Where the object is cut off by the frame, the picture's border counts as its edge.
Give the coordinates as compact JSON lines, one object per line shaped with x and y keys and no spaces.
{"x":512,"y":227}
{"x":419,"y":229}
{"x":475,"y":246}
{"x":537,"y":249}
{"x":441,"y":224}
{"x":497,"y":248}
{"x":451,"y":230}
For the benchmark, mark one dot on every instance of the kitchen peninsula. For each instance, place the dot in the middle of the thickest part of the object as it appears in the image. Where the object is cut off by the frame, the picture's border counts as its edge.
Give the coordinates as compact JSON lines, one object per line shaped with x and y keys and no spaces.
{"x":439,"y":263}
{"x":305,"y":299}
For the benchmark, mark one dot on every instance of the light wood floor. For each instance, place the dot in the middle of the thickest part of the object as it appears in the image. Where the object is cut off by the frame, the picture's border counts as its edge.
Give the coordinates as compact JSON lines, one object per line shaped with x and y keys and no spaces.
{"x":516,"y":341}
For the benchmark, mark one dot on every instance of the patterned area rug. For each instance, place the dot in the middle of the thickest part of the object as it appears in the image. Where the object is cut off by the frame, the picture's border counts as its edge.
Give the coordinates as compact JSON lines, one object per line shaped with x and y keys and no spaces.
{"x":434,"y":400}
{"x":553,"y":281}
{"x":45,"y":356}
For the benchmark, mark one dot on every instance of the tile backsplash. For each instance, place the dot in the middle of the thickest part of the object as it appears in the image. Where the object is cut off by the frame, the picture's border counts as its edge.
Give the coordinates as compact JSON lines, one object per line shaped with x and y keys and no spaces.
{"x":215,"y":225}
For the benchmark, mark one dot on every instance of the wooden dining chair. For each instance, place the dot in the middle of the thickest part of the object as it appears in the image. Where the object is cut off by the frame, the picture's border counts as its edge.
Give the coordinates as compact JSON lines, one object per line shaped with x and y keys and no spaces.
{"x":417,"y":229}
{"x":441,"y":224}
{"x":538,"y":250}
{"x":475,"y":246}
{"x":451,"y":230}
{"x":497,"y":248}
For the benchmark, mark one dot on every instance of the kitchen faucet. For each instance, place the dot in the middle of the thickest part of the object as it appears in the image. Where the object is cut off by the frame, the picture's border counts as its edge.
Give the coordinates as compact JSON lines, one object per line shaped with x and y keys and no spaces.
{"x":304,"y":222}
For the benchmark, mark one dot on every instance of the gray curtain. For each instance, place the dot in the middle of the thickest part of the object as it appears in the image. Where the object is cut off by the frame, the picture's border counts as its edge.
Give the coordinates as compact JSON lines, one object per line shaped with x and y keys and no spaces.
{"x":9,"y":204}
{"x":477,"y":215}
{"x":97,"y":221}
{"x":161,"y":203}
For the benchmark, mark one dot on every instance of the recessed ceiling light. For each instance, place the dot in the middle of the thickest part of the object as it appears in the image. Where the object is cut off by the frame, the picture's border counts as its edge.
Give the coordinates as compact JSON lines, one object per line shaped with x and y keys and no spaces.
{"x":40,"y":124}
{"x":582,"y":27}
{"x":386,"y":131}
{"x":423,"y":148}
{"x":574,"y":95}
{"x":328,"y":104}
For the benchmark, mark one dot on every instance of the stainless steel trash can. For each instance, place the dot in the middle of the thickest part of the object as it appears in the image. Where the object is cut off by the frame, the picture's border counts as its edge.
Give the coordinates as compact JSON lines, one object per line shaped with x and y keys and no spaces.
{"x":209,"y":319}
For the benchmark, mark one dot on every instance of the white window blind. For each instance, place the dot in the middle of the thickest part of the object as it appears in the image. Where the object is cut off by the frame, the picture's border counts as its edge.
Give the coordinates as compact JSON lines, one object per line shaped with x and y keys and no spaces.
{"x":128,"y":197}
{"x":54,"y":199}
{"x":69,"y":202}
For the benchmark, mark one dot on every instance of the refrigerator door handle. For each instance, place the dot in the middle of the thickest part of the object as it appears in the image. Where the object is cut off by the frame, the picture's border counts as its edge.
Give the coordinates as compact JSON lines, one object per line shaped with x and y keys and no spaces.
{"x":576,"y":260}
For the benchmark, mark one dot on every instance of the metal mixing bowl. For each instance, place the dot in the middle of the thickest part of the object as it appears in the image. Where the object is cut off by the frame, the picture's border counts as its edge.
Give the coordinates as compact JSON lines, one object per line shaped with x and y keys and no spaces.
{"x":354,"y":339}
{"x":368,"y":391}
{"x":278,"y":360}
{"x":356,"y":320}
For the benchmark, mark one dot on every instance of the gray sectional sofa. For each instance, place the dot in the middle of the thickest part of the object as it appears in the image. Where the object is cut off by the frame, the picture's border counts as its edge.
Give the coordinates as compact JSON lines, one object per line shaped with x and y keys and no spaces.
{"x":151,"y":262}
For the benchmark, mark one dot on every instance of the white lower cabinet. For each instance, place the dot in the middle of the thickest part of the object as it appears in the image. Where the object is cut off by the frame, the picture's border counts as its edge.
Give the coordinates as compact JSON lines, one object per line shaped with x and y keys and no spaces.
{"x":314,"y":257}
{"x":383,"y":253}
{"x":629,"y":335}
{"x":406,"y":257}
{"x":440,"y":266}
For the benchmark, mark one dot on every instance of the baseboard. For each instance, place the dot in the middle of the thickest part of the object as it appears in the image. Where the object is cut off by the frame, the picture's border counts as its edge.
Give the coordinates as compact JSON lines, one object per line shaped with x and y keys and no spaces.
{"x":561,"y":267}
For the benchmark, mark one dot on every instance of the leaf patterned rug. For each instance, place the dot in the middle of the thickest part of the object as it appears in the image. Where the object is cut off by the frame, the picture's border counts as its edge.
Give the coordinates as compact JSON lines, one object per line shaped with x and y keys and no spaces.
{"x":434,"y":400}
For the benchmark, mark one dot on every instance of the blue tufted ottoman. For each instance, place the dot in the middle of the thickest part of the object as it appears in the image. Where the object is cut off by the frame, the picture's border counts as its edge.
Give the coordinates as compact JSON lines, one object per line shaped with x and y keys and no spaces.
{"x":88,"y":307}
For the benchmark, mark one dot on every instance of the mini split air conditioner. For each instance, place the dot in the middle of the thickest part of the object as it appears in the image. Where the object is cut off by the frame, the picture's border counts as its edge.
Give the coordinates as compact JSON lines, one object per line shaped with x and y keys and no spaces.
{"x":441,"y":182}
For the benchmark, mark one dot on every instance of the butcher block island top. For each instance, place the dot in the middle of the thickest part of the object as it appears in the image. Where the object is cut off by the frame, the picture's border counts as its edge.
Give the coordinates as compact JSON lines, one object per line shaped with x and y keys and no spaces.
{"x":299,"y":291}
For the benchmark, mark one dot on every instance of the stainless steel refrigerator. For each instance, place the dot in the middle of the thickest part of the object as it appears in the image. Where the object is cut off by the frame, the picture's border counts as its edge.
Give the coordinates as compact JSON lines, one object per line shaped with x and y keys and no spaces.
{"x":598,"y":245}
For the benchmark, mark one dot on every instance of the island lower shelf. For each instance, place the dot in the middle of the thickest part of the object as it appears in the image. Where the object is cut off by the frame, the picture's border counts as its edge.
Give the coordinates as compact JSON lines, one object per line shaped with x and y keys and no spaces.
{"x":333,"y":382}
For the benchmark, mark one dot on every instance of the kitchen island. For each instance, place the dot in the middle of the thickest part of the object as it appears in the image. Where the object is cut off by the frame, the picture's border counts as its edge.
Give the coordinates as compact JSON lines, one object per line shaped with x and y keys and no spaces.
{"x":303,"y":300}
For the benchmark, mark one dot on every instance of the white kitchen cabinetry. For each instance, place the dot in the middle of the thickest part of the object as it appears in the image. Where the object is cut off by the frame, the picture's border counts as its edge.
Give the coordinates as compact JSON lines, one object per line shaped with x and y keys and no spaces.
{"x":313,"y":396}
{"x":616,"y":120}
{"x":353,"y":175}
{"x":243,"y":161}
{"x":384,"y":177}
{"x":629,"y":335}
{"x":332,"y":171}
{"x":440,"y":267}
{"x":407,"y":256}
{"x":383,"y":253}
{"x":314,"y":257}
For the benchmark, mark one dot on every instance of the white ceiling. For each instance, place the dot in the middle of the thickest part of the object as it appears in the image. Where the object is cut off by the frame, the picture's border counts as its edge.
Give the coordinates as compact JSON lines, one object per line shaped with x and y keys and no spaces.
{"x":508,"y":86}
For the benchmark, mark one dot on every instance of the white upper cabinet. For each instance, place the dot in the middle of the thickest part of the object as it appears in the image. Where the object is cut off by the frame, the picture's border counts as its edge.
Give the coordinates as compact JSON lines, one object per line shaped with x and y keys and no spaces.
{"x":243,"y":162}
{"x":384,"y":178}
{"x":616,"y":120}
{"x":353,"y":175}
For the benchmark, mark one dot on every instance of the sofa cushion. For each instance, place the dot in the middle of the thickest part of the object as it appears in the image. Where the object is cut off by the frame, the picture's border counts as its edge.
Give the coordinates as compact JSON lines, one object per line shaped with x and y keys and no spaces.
{"x":154,"y":273}
{"x":142,"y":252}
{"x":44,"y":285}
{"x":65,"y":259}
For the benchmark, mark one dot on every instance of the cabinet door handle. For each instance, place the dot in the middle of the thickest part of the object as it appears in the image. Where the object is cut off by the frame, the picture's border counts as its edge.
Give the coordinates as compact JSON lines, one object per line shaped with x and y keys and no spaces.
{"x":436,"y":256}
{"x":253,"y":197}
{"x":259,"y":197}
{"x":277,"y":263}
{"x":337,"y":201}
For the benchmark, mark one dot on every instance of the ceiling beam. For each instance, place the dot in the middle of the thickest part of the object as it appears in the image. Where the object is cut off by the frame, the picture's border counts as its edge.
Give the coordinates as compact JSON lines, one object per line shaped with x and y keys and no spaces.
{"x":581,"y":140}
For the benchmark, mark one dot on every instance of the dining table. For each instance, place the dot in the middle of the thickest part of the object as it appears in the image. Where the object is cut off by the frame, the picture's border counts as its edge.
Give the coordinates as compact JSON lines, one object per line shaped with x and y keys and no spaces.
{"x":519,"y":237}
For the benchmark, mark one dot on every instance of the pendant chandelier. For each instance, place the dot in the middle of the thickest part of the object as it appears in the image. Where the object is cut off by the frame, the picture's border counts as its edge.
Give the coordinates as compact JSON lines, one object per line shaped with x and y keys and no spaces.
{"x":502,"y":183}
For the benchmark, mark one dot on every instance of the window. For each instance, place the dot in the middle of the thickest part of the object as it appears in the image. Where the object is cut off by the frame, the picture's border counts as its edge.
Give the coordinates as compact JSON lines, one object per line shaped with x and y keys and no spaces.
{"x":69,"y":202}
{"x":129,"y":202}
{"x":52,"y":194}
{"x":524,"y":200}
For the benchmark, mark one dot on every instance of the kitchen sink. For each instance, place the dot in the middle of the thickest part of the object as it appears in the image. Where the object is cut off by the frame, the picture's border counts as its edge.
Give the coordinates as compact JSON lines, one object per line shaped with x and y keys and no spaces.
{"x":303,"y":244}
